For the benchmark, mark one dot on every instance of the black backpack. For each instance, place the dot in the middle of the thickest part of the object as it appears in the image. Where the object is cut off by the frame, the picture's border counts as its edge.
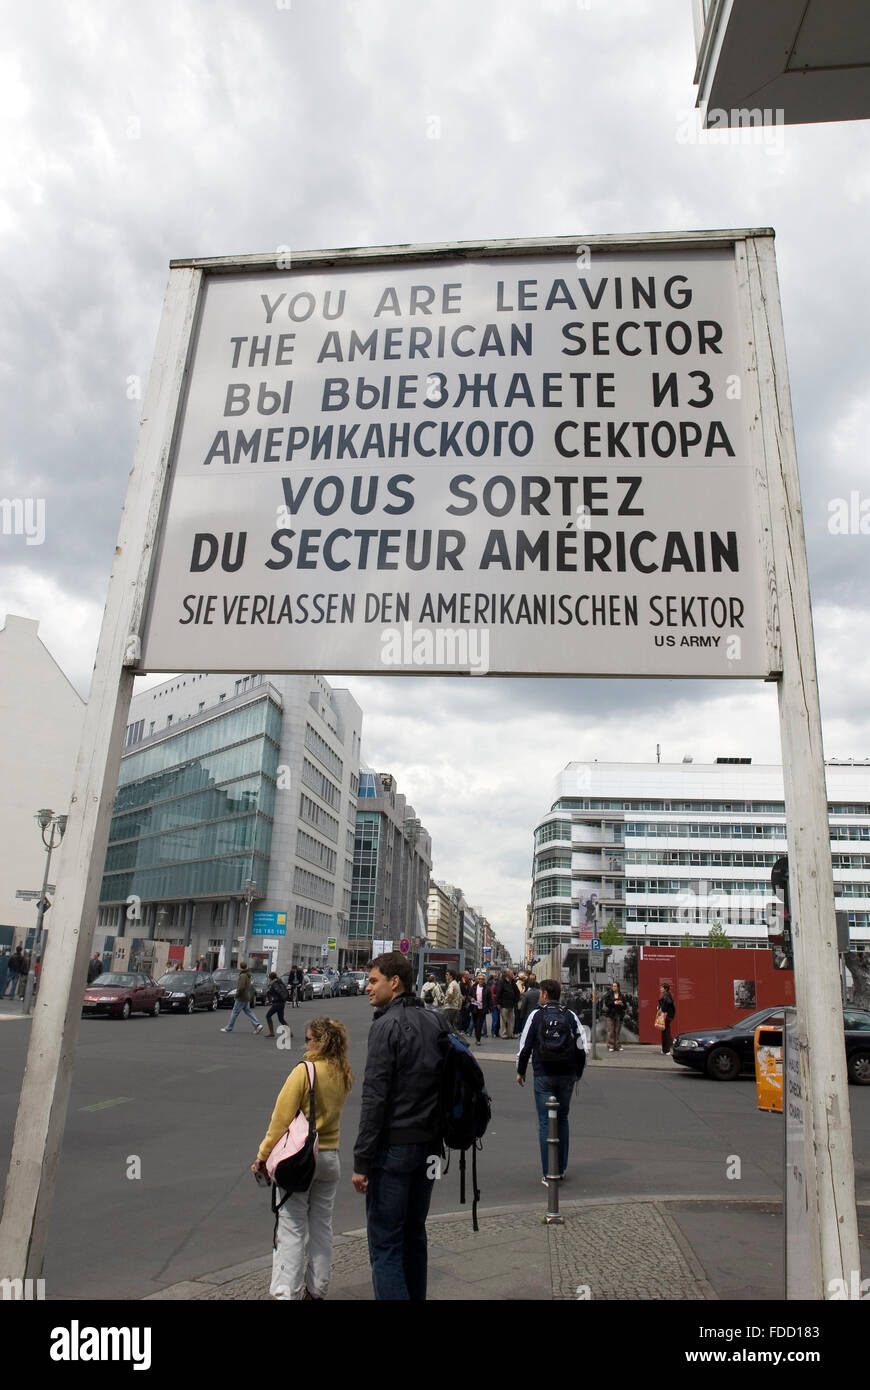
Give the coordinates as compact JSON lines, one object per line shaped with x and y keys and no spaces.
{"x":465,"y":1109}
{"x":279,"y":988}
{"x":557,"y":1037}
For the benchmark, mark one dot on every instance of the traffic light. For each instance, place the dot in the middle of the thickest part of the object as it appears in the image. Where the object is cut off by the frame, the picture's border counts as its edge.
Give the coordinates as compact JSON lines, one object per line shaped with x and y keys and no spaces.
{"x":782,"y":932}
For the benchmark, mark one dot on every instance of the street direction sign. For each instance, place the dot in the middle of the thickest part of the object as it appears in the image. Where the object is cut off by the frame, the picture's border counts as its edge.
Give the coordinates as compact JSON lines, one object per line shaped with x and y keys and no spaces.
{"x":595,"y":944}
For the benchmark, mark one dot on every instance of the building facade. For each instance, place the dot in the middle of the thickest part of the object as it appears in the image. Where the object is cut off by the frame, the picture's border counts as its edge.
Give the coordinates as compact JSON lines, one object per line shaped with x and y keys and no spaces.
{"x":41,"y":720}
{"x":236,"y":795}
{"x":666,"y":851}
{"x":392,"y":861}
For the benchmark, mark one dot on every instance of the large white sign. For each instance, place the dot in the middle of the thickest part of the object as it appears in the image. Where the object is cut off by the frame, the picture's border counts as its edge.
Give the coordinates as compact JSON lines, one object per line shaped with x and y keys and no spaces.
{"x":528,"y":464}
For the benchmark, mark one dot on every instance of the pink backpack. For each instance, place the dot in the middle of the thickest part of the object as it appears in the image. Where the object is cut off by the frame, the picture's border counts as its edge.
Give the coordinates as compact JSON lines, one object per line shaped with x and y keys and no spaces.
{"x":296,"y":1150}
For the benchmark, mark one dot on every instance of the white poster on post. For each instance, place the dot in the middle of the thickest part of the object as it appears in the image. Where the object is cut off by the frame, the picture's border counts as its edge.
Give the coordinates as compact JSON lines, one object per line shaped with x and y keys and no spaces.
{"x":531,"y":464}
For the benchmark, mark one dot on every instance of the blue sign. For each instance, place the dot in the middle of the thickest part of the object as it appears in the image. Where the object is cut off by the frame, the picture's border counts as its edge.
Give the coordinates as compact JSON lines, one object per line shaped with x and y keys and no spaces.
{"x":269,"y":924}
{"x":596,"y":944}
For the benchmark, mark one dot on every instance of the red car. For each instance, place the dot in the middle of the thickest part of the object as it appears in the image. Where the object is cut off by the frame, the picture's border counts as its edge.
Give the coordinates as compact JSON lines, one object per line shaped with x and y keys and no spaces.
{"x":119,"y":995}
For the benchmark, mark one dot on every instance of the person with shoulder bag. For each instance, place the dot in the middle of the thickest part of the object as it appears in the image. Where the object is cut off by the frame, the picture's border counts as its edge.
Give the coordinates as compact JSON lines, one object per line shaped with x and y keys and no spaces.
{"x":664,"y":1015}
{"x":302,"y":1256}
{"x":453,"y":1001}
{"x":277,"y":996}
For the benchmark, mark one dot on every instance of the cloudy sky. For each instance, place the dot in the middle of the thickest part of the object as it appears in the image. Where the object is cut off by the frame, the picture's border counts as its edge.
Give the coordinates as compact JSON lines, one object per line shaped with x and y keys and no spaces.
{"x":138,"y":135}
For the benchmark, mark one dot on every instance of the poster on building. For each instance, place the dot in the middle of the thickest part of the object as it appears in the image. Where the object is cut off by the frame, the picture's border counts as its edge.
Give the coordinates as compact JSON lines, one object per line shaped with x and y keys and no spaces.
{"x":537,"y":462}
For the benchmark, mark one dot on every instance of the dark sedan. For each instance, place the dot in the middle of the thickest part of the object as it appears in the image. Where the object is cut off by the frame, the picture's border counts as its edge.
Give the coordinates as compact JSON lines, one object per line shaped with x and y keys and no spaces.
{"x":353,"y":982}
{"x":226,"y":981}
{"x":117,"y":994}
{"x":723,"y":1053}
{"x":187,"y":990}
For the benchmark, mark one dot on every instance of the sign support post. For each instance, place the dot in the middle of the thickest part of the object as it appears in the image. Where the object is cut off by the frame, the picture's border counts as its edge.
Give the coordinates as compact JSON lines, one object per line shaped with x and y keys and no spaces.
{"x":828,"y":1176}
{"x":57,"y":1016}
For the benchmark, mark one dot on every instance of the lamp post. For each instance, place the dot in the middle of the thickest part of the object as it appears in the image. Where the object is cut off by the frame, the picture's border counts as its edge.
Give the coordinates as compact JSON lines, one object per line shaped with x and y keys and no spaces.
{"x":47,"y":821}
{"x":251,"y":892}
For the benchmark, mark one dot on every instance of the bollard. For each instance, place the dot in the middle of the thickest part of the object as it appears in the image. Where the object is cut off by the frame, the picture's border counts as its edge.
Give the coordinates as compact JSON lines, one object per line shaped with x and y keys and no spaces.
{"x":553,"y":1176}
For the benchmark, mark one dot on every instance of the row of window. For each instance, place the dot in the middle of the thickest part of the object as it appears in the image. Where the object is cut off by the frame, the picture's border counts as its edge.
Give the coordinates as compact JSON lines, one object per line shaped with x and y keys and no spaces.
{"x":250,"y":794}
{"x":261,"y":717}
{"x":322,"y":751}
{"x":257,"y":755}
{"x":312,"y":886}
{"x":208,"y":877}
{"x":308,"y":919}
{"x":748,"y":808}
{"x":194,"y":842}
{"x":315,"y":815}
{"x":309,"y":848}
{"x":320,"y":783}
{"x":693,"y":887}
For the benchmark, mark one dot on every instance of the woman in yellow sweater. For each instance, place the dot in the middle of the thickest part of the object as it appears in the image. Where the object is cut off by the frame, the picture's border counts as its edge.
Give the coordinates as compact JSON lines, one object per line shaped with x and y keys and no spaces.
{"x":306,"y":1217}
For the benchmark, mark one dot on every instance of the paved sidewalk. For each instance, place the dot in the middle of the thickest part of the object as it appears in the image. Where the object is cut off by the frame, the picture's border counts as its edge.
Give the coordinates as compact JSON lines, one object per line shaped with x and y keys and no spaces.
{"x":680,"y":1249}
{"x":632,"y":1056}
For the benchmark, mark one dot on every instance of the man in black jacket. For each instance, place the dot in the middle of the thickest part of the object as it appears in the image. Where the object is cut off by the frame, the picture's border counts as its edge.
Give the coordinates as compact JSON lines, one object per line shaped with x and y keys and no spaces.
{"x":507,"y":996}
{"x":396,"y":1155}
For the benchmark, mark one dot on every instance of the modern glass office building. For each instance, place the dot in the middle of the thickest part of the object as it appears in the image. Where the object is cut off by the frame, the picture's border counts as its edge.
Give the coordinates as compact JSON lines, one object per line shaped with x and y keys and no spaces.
{"x":666,"y":851}
{"x":236,"y":795}
{"x":392,"y":861}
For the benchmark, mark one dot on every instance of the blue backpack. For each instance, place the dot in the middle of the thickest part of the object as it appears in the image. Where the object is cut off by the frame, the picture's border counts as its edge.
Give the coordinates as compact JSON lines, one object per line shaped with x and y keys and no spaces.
{"x":465,"y":1110}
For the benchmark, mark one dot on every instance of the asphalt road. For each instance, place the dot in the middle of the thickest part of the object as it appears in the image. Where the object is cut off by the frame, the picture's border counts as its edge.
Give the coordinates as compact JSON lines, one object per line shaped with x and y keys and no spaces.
{"x":192,"y":1104}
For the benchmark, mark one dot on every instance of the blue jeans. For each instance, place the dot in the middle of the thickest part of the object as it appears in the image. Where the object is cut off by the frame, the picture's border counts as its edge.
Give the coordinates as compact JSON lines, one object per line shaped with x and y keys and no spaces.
{"x":241,"y":1007}
{"x":397,"y":1204}
{"x":493,"y":1024}
{"x":561,"y":1087}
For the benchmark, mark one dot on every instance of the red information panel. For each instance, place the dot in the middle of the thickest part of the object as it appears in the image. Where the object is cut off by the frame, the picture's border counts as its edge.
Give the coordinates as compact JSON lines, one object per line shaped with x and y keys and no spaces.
{"x":712,"y":988}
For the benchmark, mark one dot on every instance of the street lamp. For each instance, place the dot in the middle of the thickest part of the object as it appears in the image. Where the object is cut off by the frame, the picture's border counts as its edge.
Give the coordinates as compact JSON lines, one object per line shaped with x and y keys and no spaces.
{"x":47,"y":821}
{"x":251,"y":892}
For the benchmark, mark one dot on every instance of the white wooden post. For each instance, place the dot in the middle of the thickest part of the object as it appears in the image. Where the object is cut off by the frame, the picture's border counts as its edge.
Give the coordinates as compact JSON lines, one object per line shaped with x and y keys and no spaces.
{"x":832,"y":1238}
{"x":54,"y":1032}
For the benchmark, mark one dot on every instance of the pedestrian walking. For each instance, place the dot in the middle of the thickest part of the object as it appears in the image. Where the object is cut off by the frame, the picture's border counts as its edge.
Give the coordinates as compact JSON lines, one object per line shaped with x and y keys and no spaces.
{"x":244,"y":999}
{"x":480,"y":1001}
{"x":4,"y":972}
{"x":17,"y":968}
{"x":614,"y":1011}
{"x":507,"y":996}
{"x":302,"y":1258}
{"x":399,"y":1139}
{"x":453,"y":1001}
{"x":494,"y":1022}
{"x":664,"y":1015}
{"x":555,"y":1040}
{"x":276,"y":997}
{"x":95,"y":967}
{"x":465,"y":984}
{"x":432,"y":994}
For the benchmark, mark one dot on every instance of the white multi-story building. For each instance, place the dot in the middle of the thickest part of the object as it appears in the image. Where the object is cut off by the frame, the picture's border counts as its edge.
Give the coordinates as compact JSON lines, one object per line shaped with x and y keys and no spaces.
{"x":228,"y":782}
{"x":41,"y":720}
{"x":665,"y":851}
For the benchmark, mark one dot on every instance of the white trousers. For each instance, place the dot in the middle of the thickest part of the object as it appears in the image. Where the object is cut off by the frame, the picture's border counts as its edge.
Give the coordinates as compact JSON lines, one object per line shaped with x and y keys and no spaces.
{"x":305,"y":1220}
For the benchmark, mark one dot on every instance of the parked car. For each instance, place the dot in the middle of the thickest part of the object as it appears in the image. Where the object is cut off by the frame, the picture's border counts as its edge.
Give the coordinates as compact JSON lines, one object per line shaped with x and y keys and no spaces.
{"x":322,"y":985}
{"x":226,"y":981}
{"x":117,"y":994}
{"x":725,"y":1053}
{"x":352,"y":982}
{"x":260,"y":980}
{"x":187,"y":990}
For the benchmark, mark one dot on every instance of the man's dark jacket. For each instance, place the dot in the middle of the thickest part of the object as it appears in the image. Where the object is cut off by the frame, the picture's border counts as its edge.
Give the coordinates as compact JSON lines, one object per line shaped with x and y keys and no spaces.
{"x":507,"y":994}
{"x":400,"y":1099}
{"x":531,"y":1000}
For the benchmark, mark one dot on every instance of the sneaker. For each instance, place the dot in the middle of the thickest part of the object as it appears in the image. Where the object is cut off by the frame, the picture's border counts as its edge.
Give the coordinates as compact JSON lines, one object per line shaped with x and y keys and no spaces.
{"x":259,"y":1028}
{"x":611,"y":1049}
{"x":544,"y":1182}
{"x":226,"y":1030}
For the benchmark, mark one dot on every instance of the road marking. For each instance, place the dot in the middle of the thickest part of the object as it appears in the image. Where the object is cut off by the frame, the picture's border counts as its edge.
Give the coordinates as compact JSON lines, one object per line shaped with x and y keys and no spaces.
{"x":221,"y":1066}
{"x":107,"y":1104}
